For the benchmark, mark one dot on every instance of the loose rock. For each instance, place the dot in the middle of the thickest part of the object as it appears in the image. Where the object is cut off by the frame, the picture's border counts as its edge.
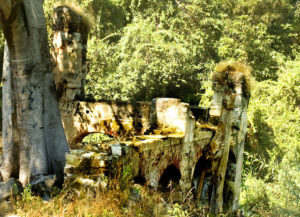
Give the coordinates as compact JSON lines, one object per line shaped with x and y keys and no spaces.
{"x":43,"y":186}
{"x":10,"y":188}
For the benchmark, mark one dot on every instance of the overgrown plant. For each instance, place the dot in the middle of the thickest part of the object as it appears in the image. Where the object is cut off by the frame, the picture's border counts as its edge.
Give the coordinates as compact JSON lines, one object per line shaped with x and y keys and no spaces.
{"x":271,"y":175}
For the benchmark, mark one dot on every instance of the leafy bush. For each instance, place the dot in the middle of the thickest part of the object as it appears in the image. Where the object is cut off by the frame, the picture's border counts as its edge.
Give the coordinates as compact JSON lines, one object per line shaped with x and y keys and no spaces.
{"x":157,"y":63}
{"x":273,"y":141}
{"x":141,"y":49}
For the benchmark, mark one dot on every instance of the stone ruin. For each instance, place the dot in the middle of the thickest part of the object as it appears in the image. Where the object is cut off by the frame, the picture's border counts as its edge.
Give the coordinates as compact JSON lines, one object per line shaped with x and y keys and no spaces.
{"x":199,"y":149}
{"x":160,"y":141}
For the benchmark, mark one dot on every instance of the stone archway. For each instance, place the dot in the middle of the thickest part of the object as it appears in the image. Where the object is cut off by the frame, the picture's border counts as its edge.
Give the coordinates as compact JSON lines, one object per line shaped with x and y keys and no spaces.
{"x":170,"y":175}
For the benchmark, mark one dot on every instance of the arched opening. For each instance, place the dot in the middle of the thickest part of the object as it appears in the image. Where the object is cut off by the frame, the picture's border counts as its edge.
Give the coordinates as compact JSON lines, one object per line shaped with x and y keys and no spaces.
{"x":139,"y":180}
{"x":171,"y":174}
{"x":202,"y":179}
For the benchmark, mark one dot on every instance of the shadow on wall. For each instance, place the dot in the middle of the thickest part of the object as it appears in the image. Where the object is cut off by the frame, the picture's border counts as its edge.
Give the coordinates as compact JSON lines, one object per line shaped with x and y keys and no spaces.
{"x":202,"y":179}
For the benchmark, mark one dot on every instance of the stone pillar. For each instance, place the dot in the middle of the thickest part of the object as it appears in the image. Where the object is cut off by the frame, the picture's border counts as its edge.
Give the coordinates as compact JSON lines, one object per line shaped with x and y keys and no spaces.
{"x":215,"y":108}
{"x":69,"y":52}
{"x":69,"y":57}
{"x":238,"y":135}
{"x":229,"y":108}
{"x":188,"y":151}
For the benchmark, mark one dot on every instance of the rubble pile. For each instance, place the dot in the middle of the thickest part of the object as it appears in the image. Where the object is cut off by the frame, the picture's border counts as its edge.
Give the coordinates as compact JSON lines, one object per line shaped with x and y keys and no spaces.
{"x":92,"y":167}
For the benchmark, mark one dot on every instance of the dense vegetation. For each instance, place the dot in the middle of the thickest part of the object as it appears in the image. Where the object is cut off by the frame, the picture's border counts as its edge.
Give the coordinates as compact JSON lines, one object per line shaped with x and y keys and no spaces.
{"x":141,"y":49}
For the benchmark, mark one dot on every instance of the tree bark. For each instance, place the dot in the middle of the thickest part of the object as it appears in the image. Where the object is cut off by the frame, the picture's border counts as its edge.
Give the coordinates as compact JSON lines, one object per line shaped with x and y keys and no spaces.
{"x":10,"y":149}
{"x":33,"y":137}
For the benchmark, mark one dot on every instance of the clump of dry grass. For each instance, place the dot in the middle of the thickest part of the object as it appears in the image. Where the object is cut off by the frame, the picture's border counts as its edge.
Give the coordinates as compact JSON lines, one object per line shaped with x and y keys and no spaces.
{"x":87,"y":21}
{"x":103,"y":204}
{"x":233,"y":71}
{"x":113,"y":203}
{"x":5,"y":208}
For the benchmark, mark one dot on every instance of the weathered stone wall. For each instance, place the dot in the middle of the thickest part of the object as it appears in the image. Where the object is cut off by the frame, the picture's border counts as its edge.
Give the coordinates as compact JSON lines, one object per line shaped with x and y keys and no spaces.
{"x":159,"y":144}
{"x":123,"y":119}
{"x":69,"y":52}
{"x":116,"y":119}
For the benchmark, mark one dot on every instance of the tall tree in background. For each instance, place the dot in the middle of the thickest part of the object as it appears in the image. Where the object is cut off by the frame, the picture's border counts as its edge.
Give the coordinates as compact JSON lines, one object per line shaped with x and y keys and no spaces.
{"x":34,"y":143}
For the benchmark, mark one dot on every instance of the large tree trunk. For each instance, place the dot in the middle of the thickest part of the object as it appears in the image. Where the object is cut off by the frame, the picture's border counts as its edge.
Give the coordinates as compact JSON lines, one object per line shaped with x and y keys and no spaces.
{"x":33,"y":137}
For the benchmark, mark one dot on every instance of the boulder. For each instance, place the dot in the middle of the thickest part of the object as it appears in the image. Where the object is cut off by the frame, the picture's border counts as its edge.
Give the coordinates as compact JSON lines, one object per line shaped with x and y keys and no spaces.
{"x":10,"y":188}
{"x":43,"y":186}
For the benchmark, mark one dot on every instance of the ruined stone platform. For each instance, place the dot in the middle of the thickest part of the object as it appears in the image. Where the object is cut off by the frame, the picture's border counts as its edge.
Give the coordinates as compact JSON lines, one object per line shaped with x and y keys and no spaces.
{"x":155,"y":135}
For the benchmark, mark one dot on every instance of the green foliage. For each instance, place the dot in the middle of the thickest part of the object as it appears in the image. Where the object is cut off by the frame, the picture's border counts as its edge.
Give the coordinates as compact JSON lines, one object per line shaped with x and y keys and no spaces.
{"x":125,"y":177}
{"x":254,"y":198}
{"x":151,"y":58}
{"x":157,"y":63}
{"x":178,"y":211}
{"x":143,"y":49}
{"x":244,"y":42}
{"x":206,"y":97}
{"x":96,"y":138}
{"x":27,"y":194}
{"x":273,"y":146}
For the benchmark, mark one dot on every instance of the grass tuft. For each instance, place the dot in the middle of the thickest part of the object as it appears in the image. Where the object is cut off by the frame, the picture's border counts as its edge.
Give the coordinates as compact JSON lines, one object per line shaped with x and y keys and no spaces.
{"x":87,"y":21}
{"x":234,"y":71}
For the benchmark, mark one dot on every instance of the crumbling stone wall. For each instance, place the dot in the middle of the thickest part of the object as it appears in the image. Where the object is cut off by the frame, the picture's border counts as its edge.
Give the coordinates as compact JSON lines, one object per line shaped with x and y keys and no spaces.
{"x":69,"y":52}
{"x":205,"y":144}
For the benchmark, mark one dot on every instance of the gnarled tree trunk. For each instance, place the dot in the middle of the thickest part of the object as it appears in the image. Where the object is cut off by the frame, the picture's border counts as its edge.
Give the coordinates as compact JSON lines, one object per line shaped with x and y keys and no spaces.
{"x":33,"y":137}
